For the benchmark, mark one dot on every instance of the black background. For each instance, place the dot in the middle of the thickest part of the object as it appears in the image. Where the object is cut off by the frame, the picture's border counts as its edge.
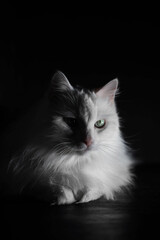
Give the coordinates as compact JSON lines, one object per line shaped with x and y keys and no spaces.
{"x":91,"y":49}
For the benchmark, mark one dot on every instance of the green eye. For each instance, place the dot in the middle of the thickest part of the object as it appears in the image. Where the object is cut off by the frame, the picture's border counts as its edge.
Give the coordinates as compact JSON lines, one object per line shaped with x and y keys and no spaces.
{"x":100,"y":123}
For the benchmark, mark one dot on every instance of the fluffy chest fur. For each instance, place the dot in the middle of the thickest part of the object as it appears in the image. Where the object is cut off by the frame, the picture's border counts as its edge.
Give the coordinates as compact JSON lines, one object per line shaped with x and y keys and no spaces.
{"x":103,"y":170}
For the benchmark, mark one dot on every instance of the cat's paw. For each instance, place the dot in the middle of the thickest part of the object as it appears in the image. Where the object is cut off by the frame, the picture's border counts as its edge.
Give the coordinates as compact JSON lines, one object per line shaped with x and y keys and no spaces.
{"x":90,"y":196}
{"x":66,"y":197}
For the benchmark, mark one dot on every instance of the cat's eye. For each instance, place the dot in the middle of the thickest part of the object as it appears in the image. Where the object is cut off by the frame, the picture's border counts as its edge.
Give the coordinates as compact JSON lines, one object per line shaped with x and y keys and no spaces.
{"x":71,"y":122}
{"x":100,"y":123}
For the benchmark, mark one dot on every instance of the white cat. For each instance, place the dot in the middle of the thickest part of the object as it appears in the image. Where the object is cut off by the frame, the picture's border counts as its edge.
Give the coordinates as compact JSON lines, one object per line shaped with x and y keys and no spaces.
{"x":77,"y":154}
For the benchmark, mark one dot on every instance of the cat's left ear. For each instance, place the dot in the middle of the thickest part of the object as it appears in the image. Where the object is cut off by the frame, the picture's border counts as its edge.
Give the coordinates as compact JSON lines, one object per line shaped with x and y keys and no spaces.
{"x":60,"y":82}
{"x":109,"y":90}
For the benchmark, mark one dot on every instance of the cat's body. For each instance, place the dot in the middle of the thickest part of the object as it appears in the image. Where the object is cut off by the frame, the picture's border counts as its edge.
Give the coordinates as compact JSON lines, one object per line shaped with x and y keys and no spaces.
{"x":77,"y":153}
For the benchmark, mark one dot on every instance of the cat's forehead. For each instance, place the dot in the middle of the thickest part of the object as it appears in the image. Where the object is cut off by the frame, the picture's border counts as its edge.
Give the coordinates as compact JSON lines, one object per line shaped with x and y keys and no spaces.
{"x":74,"y":103}
{"x":85,"y":102}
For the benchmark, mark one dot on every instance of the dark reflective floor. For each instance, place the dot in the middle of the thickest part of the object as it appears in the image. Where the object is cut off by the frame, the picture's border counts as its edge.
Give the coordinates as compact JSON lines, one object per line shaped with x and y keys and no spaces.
{"x":132,"y":216}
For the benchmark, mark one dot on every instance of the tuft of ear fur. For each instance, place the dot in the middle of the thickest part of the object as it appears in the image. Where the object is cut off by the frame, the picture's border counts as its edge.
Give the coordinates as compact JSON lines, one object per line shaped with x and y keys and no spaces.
{"x":109,"y":90}
{"x":60,"y":82}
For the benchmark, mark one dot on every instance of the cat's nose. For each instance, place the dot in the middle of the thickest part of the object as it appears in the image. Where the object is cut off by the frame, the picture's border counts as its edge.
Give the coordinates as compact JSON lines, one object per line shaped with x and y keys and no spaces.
{"x":88,"y":141}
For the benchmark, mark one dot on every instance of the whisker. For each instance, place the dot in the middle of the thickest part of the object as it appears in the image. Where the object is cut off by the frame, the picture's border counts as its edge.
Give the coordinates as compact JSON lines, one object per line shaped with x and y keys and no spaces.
{"x":106,"y":148}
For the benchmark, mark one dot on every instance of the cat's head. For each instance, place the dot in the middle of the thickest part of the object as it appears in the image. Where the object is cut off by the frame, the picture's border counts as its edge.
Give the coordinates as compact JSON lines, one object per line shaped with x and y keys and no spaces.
{"x":82,"y":120}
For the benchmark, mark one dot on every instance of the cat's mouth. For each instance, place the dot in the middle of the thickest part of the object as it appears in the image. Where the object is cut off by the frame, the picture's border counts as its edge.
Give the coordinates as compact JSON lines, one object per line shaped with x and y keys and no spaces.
{"x":83,"y":148}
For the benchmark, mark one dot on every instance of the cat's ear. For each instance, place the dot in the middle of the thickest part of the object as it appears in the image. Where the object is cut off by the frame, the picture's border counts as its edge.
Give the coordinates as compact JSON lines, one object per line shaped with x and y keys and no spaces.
{"x":60,"y":82}
{"x":109,"y":90}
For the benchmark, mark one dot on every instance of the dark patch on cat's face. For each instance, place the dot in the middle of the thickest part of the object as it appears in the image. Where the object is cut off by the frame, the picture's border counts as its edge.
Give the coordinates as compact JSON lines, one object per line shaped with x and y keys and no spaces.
{"x":72,"y":107}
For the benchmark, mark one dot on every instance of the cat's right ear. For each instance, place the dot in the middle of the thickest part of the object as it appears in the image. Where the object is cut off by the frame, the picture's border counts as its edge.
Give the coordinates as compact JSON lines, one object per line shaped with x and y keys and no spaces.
{"x":60,"y":83}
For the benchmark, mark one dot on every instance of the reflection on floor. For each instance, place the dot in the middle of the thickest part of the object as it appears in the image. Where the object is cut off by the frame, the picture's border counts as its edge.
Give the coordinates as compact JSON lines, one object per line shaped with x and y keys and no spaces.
{"x":131,"y":216}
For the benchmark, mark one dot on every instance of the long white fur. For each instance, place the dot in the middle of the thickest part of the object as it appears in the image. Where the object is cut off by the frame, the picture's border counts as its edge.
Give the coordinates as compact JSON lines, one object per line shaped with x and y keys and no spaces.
{"x":100,"y":171}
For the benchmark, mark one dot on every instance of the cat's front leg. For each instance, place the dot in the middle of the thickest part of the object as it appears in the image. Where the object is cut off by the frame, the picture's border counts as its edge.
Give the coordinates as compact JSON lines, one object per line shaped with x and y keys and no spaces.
{"x":90,"y":195}
{"x":66,"y":196}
